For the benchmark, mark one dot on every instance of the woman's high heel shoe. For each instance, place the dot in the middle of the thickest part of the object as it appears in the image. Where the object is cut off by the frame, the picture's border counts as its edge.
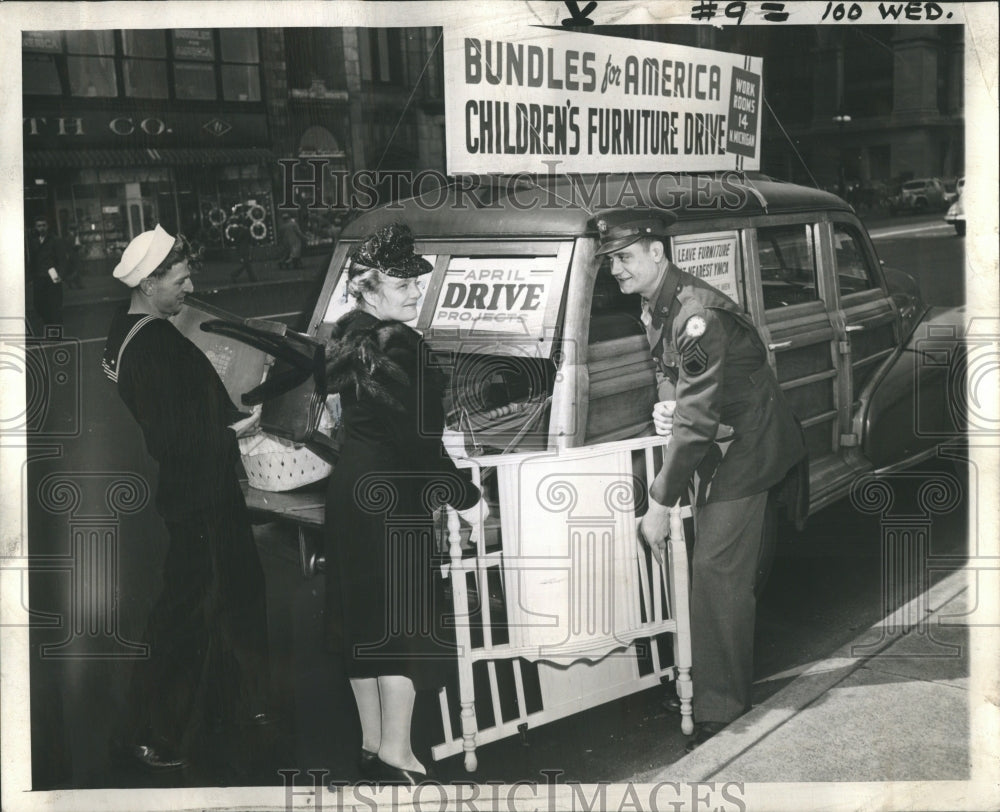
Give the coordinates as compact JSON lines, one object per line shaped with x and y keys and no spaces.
{"x":397,"y":776}
{"x":368,"y":764}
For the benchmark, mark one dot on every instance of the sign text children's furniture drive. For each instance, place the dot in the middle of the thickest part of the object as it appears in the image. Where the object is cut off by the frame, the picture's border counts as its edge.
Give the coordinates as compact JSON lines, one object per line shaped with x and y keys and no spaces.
{"x":519,"y":101}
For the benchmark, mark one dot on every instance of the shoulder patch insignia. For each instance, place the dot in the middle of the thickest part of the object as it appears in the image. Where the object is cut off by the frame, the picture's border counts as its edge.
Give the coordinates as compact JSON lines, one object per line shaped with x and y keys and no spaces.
{"x":694,"y":327}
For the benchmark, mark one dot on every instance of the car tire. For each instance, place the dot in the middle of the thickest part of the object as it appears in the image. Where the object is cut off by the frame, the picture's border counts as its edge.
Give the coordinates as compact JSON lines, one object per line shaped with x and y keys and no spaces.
{"x":960,"y":229}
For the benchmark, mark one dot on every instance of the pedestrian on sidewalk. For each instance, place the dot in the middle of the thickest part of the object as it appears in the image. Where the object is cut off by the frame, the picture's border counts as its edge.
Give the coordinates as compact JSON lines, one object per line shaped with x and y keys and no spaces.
{"x":291,"y":237}
{"x":713,"y":369}
{"x":46,"y":263}
{"x":239,"y":232}
{"x":207,"y":632}
{"x":73,"y":248}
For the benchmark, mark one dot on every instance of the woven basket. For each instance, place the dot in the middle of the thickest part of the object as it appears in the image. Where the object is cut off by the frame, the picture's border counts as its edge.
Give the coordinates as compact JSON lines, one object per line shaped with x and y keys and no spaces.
{"x":278,"y":465}
{"x":272,"y":466}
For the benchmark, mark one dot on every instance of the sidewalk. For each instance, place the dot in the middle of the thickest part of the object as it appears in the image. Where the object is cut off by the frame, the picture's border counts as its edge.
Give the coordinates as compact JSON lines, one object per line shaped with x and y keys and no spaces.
{"x":213,"y":276}
{"x":890,"y":706}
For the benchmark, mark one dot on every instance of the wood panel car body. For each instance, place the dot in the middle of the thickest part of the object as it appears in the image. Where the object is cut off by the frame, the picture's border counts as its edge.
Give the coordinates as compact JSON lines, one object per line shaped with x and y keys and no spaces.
{"x":872,"y":372}
{"x":550,"y":386}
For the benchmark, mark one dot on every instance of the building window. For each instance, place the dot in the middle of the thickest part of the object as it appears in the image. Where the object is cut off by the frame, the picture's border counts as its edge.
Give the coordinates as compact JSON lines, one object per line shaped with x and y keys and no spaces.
{"x":105,"y":64}
{"x":145,"y":78}
{"x":91,"y":77}
{"x":95,"y":43}
{"x":144,"y":69}
{"x":39,"y":71}
{"x":145,"y":44}
{"x":40,"y":75}
{"x":194,"y":43}
{"x":385,"y":56}
{"x":90,"y":63}
{"x":240,"y":82}
{"x":314,"y":54}
{"x":239,"y":45}
{"x":240,"y":69}
{"x":194,"y":81}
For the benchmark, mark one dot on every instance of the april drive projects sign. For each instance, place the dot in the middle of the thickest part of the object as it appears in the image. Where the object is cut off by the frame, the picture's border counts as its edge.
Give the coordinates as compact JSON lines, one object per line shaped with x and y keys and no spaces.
{"x":517,"y":102}
{"x":508,"y":295}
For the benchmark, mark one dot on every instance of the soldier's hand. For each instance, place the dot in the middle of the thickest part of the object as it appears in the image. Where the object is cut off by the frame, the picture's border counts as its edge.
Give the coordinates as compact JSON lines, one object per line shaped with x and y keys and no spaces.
{"x":663,"y":417}
{"x":654,"y":529}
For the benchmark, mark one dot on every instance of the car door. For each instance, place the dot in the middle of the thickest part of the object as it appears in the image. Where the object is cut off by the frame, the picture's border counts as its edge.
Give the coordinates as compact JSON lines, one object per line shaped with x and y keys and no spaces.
{"x":793,"y":303}
{"x":865,"y":317}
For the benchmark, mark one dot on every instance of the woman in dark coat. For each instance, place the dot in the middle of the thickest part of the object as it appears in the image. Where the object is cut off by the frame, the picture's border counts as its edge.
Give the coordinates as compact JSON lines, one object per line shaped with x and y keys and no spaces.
{"x":393,"y":472}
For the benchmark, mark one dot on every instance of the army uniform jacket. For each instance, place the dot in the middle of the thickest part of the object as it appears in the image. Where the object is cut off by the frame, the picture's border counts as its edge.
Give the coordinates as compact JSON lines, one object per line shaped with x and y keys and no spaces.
{"x":711,"y":351}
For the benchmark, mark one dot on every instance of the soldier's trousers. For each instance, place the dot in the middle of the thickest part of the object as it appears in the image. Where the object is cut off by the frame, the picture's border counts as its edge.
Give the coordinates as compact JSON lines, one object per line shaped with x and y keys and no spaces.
{"x":727,"y":544}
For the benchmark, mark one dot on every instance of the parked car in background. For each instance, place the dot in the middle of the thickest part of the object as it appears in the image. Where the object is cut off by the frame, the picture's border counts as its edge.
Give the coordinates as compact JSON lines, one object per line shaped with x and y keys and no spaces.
{"x":956,"y":215}
{"x":952,"y":193}
{"x":923,"y":194}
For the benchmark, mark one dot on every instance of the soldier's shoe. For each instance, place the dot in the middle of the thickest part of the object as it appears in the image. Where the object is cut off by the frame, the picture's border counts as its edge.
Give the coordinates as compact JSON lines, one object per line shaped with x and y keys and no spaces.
{"x":155,"y":757}
{"x":702,"y":734}
{"x":671,"y":702}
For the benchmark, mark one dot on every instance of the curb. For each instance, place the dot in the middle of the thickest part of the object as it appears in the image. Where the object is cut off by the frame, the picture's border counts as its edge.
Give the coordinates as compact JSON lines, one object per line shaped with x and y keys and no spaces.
{"x":711,"y":758}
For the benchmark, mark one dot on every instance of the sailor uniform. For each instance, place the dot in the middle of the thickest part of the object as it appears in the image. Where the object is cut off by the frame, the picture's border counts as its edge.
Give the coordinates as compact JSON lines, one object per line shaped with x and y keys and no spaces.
{"x":207,"y":630}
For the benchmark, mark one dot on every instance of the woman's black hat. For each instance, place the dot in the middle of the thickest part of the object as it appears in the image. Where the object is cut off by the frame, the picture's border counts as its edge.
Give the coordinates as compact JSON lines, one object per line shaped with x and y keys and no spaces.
{"x":390,"y":250}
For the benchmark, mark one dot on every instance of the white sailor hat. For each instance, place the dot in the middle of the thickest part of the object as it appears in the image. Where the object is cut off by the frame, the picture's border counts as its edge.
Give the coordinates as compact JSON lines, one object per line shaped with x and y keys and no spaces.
{"x":143,"y":255}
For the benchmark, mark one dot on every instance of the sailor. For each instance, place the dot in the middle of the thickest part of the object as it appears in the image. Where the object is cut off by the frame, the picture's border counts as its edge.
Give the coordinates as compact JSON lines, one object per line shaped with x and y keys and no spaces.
{"x":207,"y":631}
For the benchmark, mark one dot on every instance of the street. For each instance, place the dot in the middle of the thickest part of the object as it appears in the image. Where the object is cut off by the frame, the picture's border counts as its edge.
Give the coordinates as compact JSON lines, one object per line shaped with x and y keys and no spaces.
{"x":928,"y":249}
{"x":825,"y":588}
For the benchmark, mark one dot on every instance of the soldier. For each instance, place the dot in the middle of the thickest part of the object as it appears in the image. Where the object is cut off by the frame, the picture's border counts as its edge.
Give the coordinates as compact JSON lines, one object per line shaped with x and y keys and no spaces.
{"x":713,"y":365}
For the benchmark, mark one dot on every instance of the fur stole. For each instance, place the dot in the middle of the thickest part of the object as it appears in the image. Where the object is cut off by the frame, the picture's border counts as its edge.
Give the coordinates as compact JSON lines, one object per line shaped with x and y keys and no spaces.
{"x":373,"y":358}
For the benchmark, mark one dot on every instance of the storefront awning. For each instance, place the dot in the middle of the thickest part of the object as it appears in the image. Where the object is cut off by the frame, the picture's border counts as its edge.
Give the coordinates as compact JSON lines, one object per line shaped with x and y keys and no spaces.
{"x":171,"y":156}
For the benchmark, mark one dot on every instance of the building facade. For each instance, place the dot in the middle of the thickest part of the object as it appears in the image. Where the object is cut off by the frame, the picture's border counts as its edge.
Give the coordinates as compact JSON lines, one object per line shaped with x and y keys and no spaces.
{"x":863,"y":105}
{"x":202,"y":130}
{"x":196,"y":129}
{"x":127,"y":129}
{"x":858,"y":104}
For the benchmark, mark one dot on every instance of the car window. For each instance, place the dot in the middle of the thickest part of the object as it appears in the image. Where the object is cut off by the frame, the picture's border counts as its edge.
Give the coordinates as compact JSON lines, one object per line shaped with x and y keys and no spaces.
{"x":787,"y":265}
{"x":854,"y":273}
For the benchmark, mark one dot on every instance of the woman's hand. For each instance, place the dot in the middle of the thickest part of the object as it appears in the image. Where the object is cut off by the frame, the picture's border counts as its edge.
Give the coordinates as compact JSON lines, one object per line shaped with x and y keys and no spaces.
{"x":454,"y":443}
{"x":248,"y":425}
{"x":474,"y":515}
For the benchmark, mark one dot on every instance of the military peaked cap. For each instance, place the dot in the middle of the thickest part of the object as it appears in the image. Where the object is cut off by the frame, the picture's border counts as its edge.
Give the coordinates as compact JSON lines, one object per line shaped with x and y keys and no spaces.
{"x":619,"y":228}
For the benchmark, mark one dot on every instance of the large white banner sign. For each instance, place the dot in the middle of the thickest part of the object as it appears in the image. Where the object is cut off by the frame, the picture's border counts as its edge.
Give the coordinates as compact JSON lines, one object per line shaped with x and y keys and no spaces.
{"x":519,"y":101}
